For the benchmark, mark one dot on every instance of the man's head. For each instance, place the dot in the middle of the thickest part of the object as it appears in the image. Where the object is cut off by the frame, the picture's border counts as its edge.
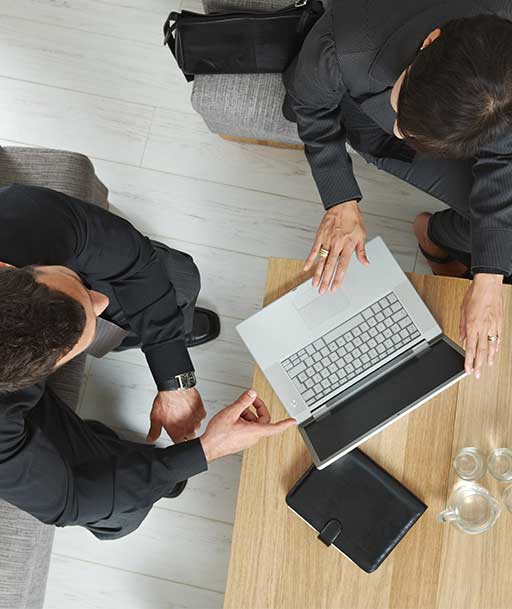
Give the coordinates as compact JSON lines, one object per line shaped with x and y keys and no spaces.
{"x":457,"y":95}
{"x":47,"y":317}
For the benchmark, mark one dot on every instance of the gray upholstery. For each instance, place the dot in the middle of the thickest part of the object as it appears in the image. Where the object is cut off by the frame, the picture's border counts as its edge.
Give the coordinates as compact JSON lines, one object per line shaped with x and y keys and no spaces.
{"x":244,"y":105}
{"x":25,"y":543}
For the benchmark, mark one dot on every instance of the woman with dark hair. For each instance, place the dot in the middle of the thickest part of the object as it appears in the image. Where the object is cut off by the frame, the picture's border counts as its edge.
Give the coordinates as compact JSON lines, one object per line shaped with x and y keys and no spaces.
{"x":422,"y":90}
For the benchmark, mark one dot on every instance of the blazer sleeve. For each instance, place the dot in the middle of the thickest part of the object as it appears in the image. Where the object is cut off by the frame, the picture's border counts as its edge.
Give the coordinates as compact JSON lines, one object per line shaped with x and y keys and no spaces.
{"x":315,"y":88}
{"x":53,"y":466}
{"x":491,"y":209}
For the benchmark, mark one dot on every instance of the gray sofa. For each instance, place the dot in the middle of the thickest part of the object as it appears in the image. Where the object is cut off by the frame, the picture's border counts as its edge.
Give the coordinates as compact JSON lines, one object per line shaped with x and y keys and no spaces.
{"x":25,"y":543}
{"x":244,"y":105}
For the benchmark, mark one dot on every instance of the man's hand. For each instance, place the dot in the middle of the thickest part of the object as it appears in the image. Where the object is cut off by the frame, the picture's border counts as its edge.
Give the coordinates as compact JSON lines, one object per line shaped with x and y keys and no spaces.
{"x":482,"y":317}
{"x":237,"y":427}
{"x":179,"y":412}
{"x":340,"y":233}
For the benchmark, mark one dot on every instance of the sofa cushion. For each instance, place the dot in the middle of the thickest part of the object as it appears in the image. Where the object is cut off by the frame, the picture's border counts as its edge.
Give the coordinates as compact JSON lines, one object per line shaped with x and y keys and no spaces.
{"x":244,"y":105}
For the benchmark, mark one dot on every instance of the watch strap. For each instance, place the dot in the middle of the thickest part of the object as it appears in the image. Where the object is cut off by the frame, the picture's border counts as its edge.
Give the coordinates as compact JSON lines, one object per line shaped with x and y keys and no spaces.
{"x":186,"y":380}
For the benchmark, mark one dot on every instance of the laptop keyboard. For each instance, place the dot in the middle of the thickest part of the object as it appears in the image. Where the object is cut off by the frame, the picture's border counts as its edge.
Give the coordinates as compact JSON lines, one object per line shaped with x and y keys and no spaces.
{"x":350,"y":349}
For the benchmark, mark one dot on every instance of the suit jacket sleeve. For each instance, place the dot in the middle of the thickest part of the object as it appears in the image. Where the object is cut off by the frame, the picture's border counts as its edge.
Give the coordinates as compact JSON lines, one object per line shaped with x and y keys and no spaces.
{"x":491,"y":209}
{"x":53,"y":466}
{"x":125,"y":259}
{"x":314,"y":91}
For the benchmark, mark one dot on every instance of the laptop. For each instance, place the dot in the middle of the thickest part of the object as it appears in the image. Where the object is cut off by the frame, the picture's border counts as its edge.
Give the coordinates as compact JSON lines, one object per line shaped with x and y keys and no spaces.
{"x":347,"y":364}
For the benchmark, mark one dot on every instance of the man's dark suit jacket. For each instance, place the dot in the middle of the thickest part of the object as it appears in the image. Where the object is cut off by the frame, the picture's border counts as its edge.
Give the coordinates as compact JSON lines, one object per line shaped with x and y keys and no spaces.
{"x":360,"y":49}
{"x":52,"y":463}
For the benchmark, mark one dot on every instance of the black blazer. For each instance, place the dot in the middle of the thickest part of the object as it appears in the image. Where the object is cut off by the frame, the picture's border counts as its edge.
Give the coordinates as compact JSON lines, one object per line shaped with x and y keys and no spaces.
{"x":360,"y":49}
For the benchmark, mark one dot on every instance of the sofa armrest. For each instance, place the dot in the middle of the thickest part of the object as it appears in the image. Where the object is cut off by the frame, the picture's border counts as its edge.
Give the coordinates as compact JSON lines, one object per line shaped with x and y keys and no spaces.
{"x":68,"y":172}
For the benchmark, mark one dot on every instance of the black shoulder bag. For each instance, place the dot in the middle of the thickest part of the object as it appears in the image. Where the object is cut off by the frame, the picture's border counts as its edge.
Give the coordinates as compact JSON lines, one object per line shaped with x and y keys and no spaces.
{"x":245,"y":42}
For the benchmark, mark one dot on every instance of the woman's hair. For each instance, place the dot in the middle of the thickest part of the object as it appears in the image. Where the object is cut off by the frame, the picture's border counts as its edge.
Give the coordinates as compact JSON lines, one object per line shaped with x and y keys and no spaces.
{"x":457,"y":95}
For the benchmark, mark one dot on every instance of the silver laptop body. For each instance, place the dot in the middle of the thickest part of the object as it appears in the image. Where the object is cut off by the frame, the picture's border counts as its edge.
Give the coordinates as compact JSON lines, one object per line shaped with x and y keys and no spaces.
{"x":321,"y":352}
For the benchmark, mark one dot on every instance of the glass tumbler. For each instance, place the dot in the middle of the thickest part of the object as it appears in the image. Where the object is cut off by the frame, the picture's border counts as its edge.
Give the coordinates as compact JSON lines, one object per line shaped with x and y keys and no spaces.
{"x":471,"y":509}
{"x":469,"y":464}
{"x":499,"y":464}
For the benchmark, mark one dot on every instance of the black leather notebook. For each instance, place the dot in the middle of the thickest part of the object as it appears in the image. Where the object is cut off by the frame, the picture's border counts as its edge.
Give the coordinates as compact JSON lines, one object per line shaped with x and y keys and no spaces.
{"x":356,"y":506}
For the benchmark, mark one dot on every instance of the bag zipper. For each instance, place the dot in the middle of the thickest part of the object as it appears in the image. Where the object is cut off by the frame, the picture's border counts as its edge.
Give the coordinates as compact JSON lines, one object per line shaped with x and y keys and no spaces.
{"x":255,"y":14}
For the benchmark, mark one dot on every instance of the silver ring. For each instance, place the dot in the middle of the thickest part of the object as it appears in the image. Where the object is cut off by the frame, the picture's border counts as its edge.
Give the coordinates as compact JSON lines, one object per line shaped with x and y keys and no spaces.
{"x":324,"y":253}
{"x":493,"y":339}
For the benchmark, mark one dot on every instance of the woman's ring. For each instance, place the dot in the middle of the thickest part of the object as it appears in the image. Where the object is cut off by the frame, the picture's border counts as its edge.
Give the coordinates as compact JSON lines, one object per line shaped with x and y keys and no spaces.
{"x":493,"y":339}
{"x":324,"y":253}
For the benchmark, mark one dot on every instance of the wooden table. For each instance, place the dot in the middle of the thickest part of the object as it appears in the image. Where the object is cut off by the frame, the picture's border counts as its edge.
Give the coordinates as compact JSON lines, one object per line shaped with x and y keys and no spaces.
{"x":276,"y":560}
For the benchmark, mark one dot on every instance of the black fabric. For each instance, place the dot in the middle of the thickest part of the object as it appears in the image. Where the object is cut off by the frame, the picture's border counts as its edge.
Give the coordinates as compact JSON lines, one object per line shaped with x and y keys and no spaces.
{"x":244,"y":42}
{"x":54,"y":465}
{"x":353,"y":55}
{"x":356,"y":506}
{"x":66,"y":471}
{"x":184,"y":276}
{"x":42,"y":226}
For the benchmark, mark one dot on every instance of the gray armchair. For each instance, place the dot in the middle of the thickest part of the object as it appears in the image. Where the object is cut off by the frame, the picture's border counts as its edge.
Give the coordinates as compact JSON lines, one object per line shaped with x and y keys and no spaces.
{"x":25,"y":543}
{"x":244,"y":105}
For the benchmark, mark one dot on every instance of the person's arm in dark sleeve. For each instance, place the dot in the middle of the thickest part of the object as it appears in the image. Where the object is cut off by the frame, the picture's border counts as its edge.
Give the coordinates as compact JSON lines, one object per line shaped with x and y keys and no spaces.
{"x":53,"y":466}
{"x":491,"y":209}
{"x":118,"y":254}
{"x":133,"y":479}
{"x":314,"y":87}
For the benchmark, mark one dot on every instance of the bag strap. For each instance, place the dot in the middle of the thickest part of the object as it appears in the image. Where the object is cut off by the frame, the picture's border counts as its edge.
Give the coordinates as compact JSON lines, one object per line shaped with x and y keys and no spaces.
{"x":170,"y":40}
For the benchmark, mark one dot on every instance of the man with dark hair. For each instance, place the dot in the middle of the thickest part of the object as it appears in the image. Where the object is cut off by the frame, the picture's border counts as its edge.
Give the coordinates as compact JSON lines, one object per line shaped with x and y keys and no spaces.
{"x":422,"y":89}
{"x":38,"y":326}
{"x":68,"y":269}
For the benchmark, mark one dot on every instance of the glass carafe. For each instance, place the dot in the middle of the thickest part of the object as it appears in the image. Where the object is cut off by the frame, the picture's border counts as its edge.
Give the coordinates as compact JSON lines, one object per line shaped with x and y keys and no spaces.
{"x":471,"y":508}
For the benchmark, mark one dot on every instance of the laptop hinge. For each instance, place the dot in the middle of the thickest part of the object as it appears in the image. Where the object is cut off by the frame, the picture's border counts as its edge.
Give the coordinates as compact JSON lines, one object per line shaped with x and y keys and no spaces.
{"x":320,"y":412}
{"x":365,"y":382}
{"x":419,"y":349}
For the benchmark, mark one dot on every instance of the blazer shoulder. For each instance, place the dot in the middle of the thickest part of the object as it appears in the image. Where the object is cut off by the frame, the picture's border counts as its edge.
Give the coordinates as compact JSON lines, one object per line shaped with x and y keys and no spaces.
{"x":502,"y":8}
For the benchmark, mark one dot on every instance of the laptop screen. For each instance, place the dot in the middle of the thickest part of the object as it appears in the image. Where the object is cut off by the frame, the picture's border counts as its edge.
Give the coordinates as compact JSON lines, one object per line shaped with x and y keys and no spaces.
{"x":385,"y":399}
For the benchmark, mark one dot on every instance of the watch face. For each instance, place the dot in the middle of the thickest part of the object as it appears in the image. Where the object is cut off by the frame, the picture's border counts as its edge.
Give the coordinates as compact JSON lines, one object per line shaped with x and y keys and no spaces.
{"x":186,"y":380}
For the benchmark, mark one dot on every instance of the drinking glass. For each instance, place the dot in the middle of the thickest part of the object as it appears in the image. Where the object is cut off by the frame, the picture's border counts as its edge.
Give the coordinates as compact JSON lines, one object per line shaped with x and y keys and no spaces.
{"x":471,"y":509}
{"x":469,"y":463}
{"x":499,"y":464}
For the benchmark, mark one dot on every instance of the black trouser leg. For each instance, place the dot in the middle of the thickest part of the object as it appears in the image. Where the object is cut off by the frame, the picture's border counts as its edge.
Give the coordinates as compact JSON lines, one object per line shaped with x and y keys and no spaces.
{"x":184,"y":276}
{"x":450,"y":182}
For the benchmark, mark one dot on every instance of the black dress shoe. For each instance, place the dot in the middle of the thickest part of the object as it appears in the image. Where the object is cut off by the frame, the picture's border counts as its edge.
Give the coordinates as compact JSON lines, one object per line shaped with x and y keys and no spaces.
{"x":206,"y":327}
{"x":177,"y":490}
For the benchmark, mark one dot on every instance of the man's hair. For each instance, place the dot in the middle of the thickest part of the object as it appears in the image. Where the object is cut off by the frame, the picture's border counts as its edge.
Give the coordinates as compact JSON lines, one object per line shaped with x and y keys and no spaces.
{"x":457,"y":95}
{"x":38,"y":326}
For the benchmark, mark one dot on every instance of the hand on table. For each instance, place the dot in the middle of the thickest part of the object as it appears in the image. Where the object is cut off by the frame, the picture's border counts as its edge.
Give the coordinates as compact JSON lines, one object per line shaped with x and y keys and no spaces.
{"x":340,"y":233}
{"x":237,"y":427}
{"x":179,"y":412}
{"x":481,"y":318}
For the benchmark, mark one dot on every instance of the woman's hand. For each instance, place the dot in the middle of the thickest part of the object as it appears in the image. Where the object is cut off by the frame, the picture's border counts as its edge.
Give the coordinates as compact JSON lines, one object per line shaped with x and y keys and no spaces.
{"x":481,"y":318}
{"x":340,"y":233}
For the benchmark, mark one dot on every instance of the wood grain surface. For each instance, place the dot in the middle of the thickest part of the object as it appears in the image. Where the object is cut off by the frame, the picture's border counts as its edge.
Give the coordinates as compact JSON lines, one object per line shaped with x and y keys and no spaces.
{"x":276,"y":561}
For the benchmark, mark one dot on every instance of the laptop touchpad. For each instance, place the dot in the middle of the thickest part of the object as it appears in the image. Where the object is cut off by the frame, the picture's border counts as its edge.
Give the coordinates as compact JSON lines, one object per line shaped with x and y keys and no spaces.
{"x":316,"y":310}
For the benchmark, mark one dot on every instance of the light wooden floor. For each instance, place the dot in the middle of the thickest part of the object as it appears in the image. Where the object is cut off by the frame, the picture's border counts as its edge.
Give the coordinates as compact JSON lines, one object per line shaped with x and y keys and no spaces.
{"x":92,"y":76}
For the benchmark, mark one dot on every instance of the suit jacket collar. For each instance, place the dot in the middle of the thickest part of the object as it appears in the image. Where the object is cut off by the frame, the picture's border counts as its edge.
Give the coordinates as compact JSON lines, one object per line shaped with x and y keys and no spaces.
{"x":400,"y":49}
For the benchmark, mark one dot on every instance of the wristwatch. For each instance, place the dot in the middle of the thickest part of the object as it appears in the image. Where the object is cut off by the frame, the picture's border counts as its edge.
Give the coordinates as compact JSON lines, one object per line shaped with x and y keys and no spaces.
{"x":187,"y":380}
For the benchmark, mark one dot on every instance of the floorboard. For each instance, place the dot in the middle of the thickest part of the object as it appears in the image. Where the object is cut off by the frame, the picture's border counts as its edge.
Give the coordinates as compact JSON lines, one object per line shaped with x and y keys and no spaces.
{"x":77,"y":584}
{"x":168,"y":545}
